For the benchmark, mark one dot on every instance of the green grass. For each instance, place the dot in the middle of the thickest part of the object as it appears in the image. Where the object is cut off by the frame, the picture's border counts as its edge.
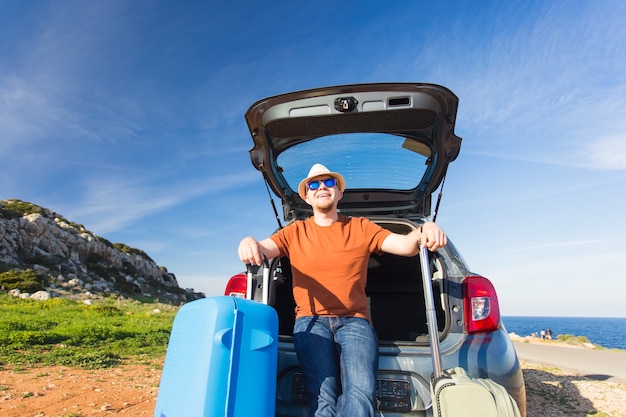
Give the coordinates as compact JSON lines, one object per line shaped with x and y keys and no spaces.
{"x":67,"y":332}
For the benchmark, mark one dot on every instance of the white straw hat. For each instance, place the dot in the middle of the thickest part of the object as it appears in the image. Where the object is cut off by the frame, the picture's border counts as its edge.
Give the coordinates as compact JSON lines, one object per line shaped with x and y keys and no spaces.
{"x":317,"y":170}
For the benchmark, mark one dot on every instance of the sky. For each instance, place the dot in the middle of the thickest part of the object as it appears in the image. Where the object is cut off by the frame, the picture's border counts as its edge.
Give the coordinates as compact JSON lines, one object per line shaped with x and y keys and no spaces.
{"x":127,"y":117}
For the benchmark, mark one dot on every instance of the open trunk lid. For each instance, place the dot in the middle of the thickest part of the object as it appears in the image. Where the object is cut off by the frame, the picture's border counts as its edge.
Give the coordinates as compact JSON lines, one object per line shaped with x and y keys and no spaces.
{"x":391,"y":141}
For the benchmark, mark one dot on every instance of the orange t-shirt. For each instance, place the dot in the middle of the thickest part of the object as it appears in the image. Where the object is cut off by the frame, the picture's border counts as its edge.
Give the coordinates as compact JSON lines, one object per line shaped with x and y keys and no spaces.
{"x":329,"y":264}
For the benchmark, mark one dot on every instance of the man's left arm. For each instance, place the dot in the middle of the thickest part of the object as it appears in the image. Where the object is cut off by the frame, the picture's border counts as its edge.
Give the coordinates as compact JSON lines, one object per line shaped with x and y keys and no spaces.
{"x":429,"y":234}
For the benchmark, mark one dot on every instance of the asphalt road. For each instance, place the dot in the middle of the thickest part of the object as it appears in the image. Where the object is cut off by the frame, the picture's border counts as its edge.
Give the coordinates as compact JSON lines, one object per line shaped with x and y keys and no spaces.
{"x":603,"y":365}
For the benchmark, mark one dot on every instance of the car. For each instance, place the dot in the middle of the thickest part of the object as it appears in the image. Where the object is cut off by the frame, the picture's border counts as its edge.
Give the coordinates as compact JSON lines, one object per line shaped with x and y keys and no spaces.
{"x":393,"y":143}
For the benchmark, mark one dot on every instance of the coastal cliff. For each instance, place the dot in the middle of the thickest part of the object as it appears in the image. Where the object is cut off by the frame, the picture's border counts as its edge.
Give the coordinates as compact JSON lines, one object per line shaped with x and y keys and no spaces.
{"x":44,"y":255}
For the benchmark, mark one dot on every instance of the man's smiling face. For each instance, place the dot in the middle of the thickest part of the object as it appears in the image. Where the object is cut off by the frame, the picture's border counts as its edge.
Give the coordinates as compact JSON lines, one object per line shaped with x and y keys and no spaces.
{"x":324,"y":199}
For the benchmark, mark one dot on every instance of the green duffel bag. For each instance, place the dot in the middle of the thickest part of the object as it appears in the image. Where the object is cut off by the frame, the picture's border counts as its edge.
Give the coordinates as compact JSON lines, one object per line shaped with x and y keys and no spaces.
{"x":457,"y":395}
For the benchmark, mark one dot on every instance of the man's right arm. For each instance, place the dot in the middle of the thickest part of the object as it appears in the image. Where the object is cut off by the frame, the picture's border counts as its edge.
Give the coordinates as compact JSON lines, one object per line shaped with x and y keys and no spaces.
{"x":251,"y":251}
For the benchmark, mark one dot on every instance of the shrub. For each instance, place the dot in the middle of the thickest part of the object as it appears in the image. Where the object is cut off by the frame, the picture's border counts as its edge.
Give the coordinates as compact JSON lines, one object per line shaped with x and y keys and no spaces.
{"x":20,"y":208}
{"x":24,"y":280}
{"x":122,"y":247}
{"x":575,"y":340}
{"x":97,"y":264}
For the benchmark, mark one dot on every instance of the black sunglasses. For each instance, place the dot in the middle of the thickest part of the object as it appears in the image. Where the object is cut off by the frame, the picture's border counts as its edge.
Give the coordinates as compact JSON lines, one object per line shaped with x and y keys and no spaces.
{"x":315,"y":184}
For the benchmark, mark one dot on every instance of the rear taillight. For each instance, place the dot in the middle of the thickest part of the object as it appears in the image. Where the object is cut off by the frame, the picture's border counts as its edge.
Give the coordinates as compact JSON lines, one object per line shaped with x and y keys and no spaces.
{"x":237,"y":286}
{"x":482,"y":312}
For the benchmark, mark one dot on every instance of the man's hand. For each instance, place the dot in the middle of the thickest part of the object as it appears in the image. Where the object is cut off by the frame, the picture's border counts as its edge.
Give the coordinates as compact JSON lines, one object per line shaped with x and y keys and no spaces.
{"x":433,"y":236}
{"x":252,"y":252}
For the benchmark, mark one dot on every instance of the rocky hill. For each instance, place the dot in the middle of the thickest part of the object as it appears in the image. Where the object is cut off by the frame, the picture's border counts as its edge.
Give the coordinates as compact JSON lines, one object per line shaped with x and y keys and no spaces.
{"x":42,"y":253}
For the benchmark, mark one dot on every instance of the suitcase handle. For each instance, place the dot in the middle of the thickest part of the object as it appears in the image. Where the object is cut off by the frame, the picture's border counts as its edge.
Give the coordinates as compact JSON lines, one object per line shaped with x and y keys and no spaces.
{"x":431,"y":314}
{"x":266,"y":281}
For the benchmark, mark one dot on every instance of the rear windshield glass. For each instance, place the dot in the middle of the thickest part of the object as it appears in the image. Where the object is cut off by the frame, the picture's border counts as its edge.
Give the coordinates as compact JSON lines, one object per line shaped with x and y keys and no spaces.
{"x":366,"y":160}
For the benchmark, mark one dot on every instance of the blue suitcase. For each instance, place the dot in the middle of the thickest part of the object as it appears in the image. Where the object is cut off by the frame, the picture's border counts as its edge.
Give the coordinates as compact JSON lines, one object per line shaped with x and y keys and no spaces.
{"x":221,"y":360}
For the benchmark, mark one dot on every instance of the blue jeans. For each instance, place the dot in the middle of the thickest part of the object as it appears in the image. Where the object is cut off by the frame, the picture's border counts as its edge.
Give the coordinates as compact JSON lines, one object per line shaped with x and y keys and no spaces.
{"x":339,"y":360}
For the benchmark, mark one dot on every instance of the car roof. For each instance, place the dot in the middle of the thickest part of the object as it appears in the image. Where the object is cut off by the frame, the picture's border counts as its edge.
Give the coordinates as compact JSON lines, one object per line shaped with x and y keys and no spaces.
{"x":391,"y":141}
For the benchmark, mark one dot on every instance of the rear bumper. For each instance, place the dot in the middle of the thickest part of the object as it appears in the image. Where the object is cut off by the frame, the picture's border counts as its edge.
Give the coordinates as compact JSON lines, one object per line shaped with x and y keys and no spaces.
{"x":405,"y":370}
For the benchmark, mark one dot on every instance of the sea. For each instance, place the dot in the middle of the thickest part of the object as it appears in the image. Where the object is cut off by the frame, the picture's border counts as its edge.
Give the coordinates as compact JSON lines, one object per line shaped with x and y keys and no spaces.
{"x":606,"y":332}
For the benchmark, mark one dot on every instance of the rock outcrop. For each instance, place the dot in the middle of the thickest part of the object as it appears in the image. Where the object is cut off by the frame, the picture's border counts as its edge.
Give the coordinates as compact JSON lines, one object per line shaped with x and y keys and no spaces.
{"x":70,"y":261}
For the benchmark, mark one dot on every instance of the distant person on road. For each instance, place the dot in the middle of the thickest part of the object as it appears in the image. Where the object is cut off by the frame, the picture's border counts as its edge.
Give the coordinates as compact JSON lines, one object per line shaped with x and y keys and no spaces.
{"x":548,"y":334}
{"x":335,"y":342}
{"x":543,"y":334}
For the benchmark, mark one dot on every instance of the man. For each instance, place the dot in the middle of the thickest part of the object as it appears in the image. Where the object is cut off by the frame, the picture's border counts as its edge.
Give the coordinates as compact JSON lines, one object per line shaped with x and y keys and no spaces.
{"x":336,"y":344}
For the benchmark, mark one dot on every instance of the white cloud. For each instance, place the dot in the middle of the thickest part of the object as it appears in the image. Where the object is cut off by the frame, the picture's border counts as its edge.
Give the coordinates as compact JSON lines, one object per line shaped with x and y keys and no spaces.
{"x":28,"y":112}
{"x":109,"y":204}
{"x":566,"y":244}
{"x":608,"y":152}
